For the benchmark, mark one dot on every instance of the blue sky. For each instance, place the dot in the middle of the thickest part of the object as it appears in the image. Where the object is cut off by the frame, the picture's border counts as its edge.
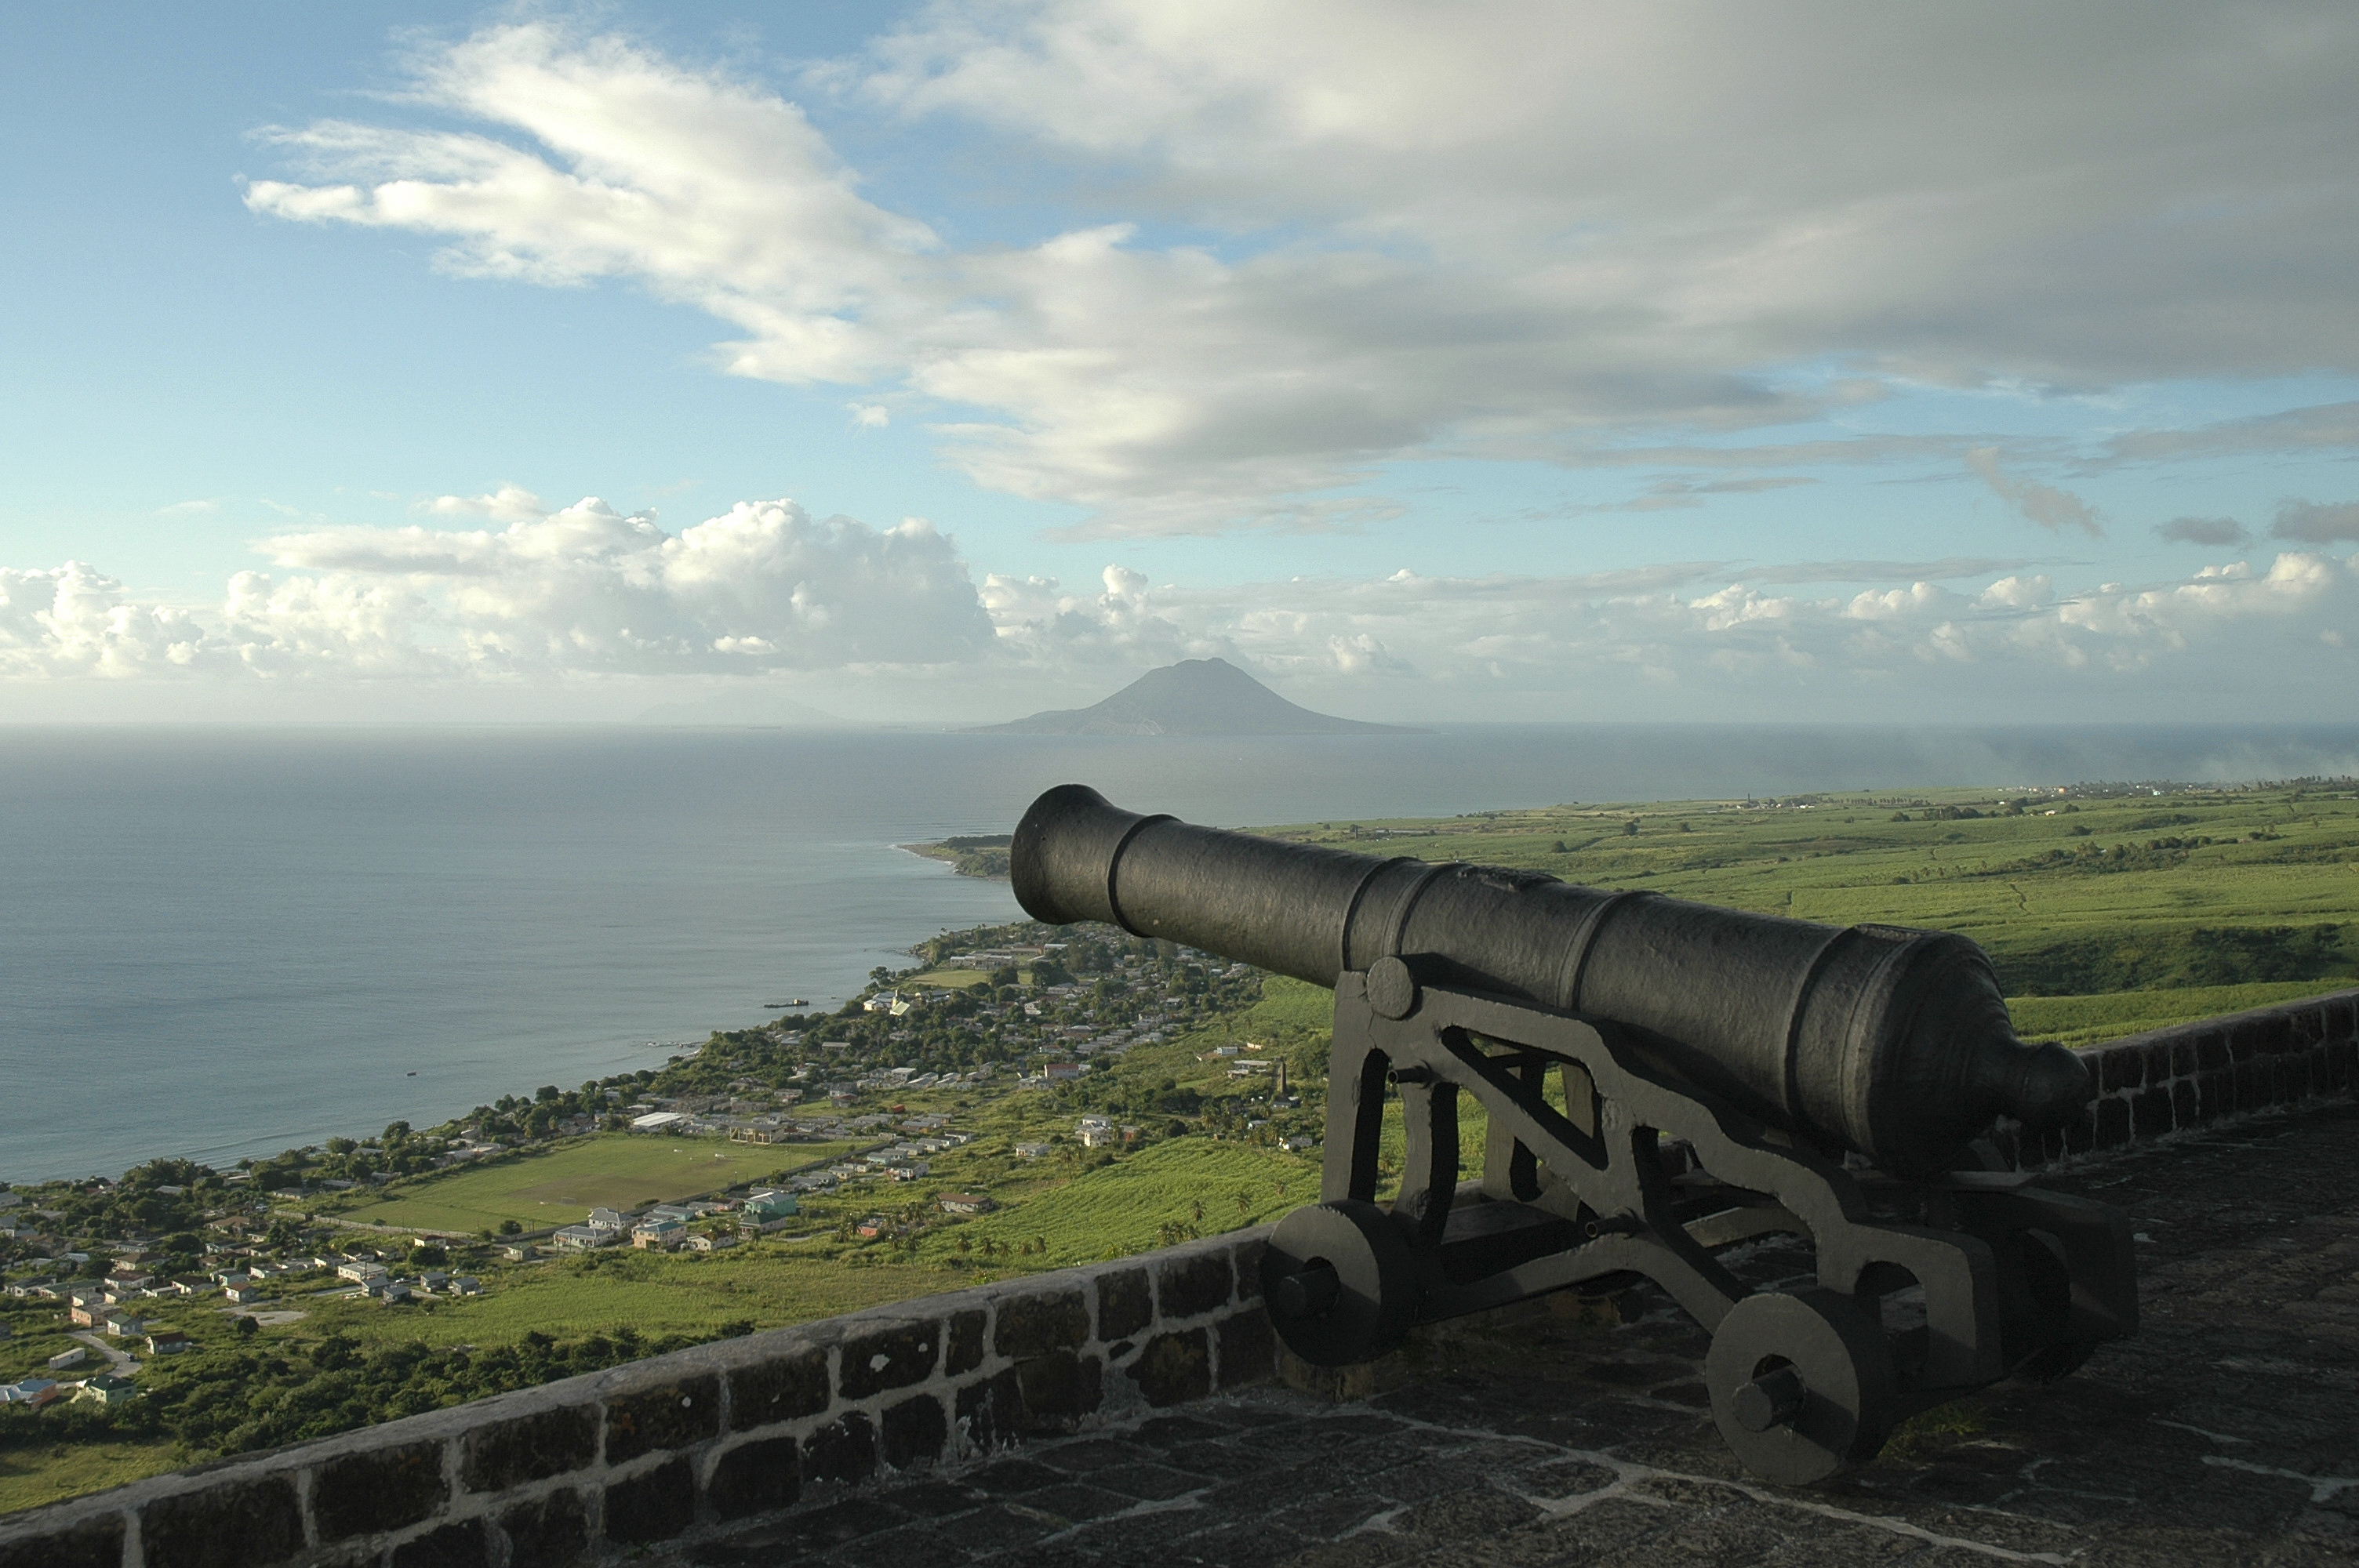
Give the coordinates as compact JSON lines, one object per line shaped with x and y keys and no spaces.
{"x":1520,"y":361}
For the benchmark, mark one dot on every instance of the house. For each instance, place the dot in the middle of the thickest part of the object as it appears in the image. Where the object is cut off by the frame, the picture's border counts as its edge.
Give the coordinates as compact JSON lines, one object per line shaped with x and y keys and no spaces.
{"x":767,"y":1203}
{"x":872,"y":1226}
{"x":395,"y":1293}
{"x":466,"y":1285}
{"x":234,"y":1276}
{"x":26,"y":1392}
{"x":608,"y":1219}
{"x":966,"y":1203}
{"x":166,"y":1342}
{"x":65,"y":1359}
{"x":28,"y":1287}
{"x":106,"y":1389}
{"x":124,"y":1325}
{"x":581,"y":1237}
{"x":711,"y":1242}
{"x":658,"y":1235}
{"x":433,"y":1280}
{"x":520,"y":1251}
{"x":660,"y":1121}
{"x":86,"y":1314}
{"x":1031,"y":1150}
{"x":680,"y":1212}
{"x":1299,"y":1142}
{"x":358,"y":1273}
{"x":1099,"y":1136}
{"x":1059,"y":1070}
{"x":252,"y":1291}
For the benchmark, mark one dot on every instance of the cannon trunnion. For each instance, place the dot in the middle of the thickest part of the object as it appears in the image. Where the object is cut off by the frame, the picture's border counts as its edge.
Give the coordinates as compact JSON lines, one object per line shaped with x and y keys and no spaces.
{"x":1714,"y":1104}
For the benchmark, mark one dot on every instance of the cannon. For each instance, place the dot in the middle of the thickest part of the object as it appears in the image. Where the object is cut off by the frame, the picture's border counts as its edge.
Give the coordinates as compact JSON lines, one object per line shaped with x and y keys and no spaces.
{"x":1660,"y":1081}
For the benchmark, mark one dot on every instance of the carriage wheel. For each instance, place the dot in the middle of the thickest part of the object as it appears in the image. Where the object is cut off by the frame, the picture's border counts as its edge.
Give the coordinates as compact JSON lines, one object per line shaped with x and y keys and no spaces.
{"x":1802,"y":1385}
{"x":1339,"y":1282}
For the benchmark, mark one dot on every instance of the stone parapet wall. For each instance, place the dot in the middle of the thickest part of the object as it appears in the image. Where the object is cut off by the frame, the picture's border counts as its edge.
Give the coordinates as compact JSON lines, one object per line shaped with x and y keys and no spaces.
{"x":2192,"y":1074}
{"x":677,"y":1444}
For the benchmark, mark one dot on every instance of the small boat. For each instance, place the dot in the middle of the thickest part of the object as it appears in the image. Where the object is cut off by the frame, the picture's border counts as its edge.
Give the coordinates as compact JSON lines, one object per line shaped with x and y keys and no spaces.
{"x":790,"y":1001}
{"x":411,"y":1074}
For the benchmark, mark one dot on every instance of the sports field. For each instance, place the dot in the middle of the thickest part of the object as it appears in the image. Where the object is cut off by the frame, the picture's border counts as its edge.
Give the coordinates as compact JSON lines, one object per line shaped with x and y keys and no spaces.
{"x":617,"y":1170}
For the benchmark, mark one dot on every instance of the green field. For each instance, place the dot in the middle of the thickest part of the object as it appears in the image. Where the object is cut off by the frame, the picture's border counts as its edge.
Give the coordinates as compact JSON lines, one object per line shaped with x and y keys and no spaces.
{"x":617,"y":1170}
{"x":2194,"y":902}
{"x":1119,"y":1209}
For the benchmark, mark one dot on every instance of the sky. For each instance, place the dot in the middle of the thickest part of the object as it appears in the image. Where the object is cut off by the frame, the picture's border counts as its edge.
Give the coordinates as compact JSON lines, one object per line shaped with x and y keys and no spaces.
{"x":941,"y":363}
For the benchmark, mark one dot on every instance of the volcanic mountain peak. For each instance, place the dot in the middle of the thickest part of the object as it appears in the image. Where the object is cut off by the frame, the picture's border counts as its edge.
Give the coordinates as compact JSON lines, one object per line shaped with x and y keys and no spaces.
{"x":1195,"y":697}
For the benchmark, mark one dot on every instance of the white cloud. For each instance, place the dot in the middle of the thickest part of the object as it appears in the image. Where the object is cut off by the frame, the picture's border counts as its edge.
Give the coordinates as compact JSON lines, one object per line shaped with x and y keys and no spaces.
{"x":583,"y":588}
{"x":508,"y":504}
{"x":870,"y":415}
{"x":190,"y":508}
{"x":1515,"y":226}
{"x":76,"y":621}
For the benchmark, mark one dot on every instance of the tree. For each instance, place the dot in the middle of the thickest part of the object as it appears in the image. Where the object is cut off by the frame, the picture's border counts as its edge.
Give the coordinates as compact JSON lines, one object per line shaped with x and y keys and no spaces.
{"x":247,"y":1327}
{"x":510,"y":1228}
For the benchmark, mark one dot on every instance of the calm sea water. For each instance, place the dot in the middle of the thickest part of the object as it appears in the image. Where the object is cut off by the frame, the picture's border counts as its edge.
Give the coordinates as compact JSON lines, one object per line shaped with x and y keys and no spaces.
{"x":225,"y":943}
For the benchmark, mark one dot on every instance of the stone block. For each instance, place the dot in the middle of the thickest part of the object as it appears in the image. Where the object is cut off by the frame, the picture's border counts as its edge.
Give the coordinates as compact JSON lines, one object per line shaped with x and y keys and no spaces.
{"x":2120,"y":1067}
{"x":1125,"y":1305}
{"x":843,"y":1452}
{"x":2081,"y":1133}
{"x":988,"y":1412}
{"x":2306,"y":1026}
{"x":2182,"y":1058}
{"x":466,"y":1545}
{"x":236,"y":1524}
{"x":785,"y":1388}
{"x":548,"y":1532}
{"x":2185,"y":1110}
{"x":915,"y":1431}
{"x":662,"y":1416}
{"x":1248,"y":1349}
{"x":1189,"y":1287}
{"x":886,"y":1358}
{"x":1247,"y":1256}
{"x":654,"y":1506}
{"x":528,"y":1448}
{"x":2211,"y":1051}
{"x":754,"y":1477}
{"x":964,"y":1341}
{"x":2252,"y":1093}
{"x":2271,"y":1033}
{"x":360,"y":1494}
{"x":2150,"y":1112}
{"x":2113,"y":1125}
{"x":1037,"y":1325}
{"x":91,"y":1543}
{"x":1174,"y":1367}
{"x":1059,"y":1389}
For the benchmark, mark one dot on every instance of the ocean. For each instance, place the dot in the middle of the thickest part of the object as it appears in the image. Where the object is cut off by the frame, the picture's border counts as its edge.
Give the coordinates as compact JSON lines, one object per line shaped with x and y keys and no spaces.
{"x":218,"y":943}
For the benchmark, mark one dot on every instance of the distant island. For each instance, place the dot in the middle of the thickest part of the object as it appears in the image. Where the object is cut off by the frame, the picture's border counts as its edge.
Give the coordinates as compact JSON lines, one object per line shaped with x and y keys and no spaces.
{"x":1195,"y":697}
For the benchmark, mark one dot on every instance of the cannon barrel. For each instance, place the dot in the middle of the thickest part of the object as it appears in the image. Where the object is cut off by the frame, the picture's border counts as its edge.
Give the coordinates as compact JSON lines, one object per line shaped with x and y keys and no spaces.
{"x":1893,"y":1042}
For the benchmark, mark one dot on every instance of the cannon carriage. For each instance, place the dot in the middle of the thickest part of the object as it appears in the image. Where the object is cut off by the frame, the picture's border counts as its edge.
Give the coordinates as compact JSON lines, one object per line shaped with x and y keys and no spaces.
{"x":1660,"y":1081}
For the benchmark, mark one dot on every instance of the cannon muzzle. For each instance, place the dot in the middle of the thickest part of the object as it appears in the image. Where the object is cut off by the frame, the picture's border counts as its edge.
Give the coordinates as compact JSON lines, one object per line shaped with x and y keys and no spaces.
{"x":1892,"y":1042}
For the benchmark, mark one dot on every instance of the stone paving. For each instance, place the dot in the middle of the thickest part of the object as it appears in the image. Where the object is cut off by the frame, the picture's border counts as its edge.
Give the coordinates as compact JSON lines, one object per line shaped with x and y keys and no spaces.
{"x":2227,"y":1431}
